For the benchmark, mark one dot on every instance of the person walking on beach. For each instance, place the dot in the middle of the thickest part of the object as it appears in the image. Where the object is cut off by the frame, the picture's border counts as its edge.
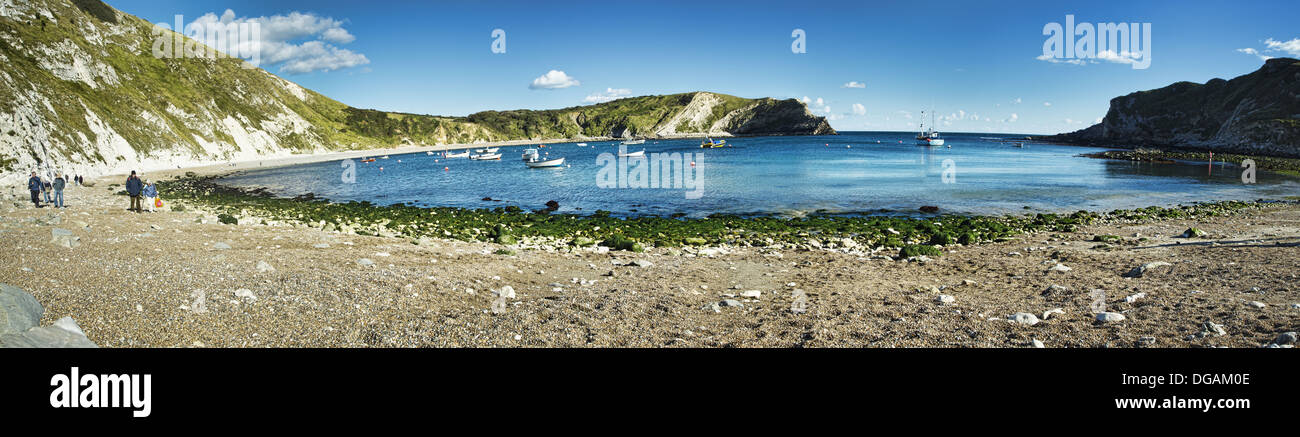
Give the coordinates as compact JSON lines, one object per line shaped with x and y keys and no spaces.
{"x":58,"y":186}
{"x":150,"y":196}
{"x":45,"y":185}
{"x":34,"y":185}
{"x":133,"y":189}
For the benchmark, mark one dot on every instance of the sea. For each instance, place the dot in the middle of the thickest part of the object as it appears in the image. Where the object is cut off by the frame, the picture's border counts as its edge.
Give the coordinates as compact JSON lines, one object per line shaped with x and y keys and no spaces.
{"x":854,"y":173}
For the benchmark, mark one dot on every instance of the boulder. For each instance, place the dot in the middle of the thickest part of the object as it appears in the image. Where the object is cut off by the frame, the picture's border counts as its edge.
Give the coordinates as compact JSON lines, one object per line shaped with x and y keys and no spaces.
{"x":19,"y":311}
{"x":65,"y":238}
{"x":1141,"y":270}
{"x":1023,"y":318}
{"x":64,"y":333}
{"x":1109,"y":317}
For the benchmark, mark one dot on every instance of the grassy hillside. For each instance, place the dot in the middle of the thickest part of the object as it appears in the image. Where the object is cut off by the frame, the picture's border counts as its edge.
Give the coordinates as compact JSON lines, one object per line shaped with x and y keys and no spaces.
{"x":80,"y":88}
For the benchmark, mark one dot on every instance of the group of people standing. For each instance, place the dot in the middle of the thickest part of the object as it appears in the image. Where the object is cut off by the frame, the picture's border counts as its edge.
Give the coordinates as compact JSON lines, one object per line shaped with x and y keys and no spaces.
{"x":137,"y":188}
{"x":52,"y":189}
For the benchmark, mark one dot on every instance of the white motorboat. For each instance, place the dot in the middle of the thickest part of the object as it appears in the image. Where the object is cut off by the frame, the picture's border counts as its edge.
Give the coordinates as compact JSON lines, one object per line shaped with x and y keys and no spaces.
{"x":557,"y":162}
{"x":488,"y":151}
{"x":534,"y":160}
{"x":632,"y":142}
{"x":464,"y":154}
{"x":486,"y":157}
{"x":632,"y":154}
{"x":582,"y":144}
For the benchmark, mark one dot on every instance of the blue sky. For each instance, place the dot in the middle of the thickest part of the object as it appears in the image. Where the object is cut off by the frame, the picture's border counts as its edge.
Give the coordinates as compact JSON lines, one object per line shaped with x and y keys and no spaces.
{"x":973,"y":62}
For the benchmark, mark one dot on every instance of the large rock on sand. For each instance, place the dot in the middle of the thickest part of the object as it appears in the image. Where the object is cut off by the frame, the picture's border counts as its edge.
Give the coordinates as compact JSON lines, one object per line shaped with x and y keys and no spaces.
{"x":65,"y":238}
{"x":19,"y":314}
{"x":63,"y":334}
{"x":19,"y":311}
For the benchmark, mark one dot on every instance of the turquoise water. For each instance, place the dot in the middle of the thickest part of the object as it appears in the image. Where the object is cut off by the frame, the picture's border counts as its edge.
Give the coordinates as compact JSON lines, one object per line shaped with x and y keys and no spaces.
{"x":851,"y":173}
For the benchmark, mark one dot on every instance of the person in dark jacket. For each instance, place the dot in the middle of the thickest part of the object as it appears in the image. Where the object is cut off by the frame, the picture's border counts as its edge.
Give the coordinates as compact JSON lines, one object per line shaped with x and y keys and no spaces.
{"x":58,"y":186}
{"x":45,"y":185}
{"x":34,"y":185}
{"x":133,"y":188}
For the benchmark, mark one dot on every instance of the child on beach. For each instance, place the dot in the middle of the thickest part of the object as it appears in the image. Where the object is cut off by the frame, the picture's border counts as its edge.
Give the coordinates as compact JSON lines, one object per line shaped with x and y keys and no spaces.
{"x":150,"y":196}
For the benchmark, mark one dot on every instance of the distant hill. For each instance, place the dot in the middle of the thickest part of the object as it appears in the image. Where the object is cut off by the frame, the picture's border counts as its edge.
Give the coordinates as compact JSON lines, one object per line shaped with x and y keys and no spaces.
{"x":1257,"y":113}
{"x":80,"y":91}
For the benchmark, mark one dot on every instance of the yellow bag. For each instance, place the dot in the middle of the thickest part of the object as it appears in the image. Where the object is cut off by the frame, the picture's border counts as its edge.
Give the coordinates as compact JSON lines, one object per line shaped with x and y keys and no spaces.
{"x":157,"y":202}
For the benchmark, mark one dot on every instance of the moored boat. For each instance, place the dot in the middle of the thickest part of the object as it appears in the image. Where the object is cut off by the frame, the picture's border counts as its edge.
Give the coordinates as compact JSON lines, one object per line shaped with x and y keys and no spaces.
{"x":632,"y":142}
{"x":713,"y":144}
{"x":931,"y":138}
{"x":534,"y":160}
{"x":486,"y":157}
{"x":632,"y":154}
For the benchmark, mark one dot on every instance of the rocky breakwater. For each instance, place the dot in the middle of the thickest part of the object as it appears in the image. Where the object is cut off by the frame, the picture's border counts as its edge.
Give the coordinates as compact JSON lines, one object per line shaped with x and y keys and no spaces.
{"x":19,"y":315}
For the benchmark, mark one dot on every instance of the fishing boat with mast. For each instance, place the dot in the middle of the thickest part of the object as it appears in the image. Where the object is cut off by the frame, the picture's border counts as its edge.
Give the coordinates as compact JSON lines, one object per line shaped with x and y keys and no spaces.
{"x":930,"y":138}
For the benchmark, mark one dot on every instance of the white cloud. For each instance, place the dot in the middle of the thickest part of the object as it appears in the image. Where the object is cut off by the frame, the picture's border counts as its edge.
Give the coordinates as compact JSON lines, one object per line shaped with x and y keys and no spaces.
{"x":1017,"y":101}
{"x":1047,"y":103}
{"x":858,"y":109}
{"x":608,"y":95}
{"x":1012,"y":118}
{"x":1291,"y":47}
{"x":553,"y":80}
{"x":816,"y":105}
{"x":1118,"y":58}
{"x":298,"y":42}
{"x":1255,"y":53}
{"x":854,"y":84}
{"x":1060,"y":61}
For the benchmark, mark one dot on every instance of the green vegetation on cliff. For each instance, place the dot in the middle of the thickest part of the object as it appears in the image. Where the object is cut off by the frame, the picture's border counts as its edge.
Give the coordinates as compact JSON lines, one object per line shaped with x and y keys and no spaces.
{"x":80,"y":82}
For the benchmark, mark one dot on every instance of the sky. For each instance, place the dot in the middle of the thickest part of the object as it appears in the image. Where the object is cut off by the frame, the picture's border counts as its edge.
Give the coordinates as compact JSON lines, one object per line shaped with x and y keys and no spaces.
{"x":866,"y":65}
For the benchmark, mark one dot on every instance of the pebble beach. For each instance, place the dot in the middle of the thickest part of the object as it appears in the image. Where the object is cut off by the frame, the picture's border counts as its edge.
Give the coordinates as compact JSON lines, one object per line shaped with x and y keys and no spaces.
{"x":183,"y":279}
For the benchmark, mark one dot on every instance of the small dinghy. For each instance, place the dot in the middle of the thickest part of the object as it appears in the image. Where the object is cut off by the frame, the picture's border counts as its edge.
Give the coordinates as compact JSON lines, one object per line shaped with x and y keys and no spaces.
{"x":632,"y":154}
{"x":464,"y":154}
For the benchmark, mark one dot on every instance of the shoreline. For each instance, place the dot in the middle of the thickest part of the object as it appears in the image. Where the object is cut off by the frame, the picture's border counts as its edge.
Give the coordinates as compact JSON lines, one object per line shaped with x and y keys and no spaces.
{"x":511,"y":225}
